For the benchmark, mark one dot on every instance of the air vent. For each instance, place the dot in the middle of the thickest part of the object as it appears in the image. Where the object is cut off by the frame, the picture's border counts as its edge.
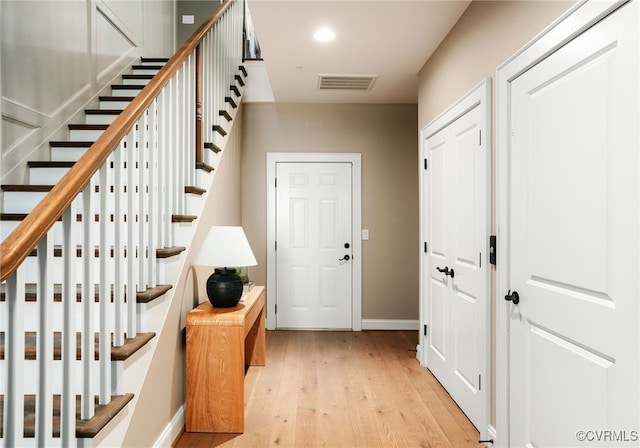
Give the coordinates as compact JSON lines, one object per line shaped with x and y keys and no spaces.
{"x":346,"y":82}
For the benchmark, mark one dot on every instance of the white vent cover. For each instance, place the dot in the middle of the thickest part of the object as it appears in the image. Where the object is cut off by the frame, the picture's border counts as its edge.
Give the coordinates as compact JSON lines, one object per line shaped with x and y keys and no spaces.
{"x":346,"y":82}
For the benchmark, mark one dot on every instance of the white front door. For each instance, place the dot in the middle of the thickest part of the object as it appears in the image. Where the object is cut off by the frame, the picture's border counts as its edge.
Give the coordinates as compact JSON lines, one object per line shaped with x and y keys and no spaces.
{"x":573,"y":245}
{"x":455,"y":281}
{"x":314,"y":245}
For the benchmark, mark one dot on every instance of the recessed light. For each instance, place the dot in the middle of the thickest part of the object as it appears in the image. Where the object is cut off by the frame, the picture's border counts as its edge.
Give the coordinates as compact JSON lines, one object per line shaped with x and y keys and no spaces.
{"x":324,"y":35}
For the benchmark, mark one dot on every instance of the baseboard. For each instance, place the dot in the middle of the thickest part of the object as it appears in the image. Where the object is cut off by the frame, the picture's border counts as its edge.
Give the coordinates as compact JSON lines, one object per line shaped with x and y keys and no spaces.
{"x":172,"y":431}
{"x":390,"y":324}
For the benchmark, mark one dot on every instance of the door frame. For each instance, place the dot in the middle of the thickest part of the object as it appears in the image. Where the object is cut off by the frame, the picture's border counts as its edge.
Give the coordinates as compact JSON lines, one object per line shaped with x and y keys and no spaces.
{"x":480,"y":96}
{"x":573,"y":22}
{"x":274,"y":158}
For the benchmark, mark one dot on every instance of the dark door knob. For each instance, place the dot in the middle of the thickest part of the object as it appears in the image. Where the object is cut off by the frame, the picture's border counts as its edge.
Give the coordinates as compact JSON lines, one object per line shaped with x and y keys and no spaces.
{"x":345,"y":258}
{"x":446,"y":271}
{"x":513,"y":297}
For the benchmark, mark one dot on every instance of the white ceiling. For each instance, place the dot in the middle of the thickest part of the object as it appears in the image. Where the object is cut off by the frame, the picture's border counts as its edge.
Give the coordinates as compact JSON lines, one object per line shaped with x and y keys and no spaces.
{"x":388,"y":38}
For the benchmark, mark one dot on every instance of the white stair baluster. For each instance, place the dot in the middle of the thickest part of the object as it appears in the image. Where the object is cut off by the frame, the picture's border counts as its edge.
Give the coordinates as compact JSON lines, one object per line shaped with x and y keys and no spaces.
{"x":87,"y":408}
{"x":44,"y":354}
{"x":68,"y":398}
{"x":14,"y":355}
{"x":132,"y":235}
{"x":120,"y":196}
{"x":105,"y":290}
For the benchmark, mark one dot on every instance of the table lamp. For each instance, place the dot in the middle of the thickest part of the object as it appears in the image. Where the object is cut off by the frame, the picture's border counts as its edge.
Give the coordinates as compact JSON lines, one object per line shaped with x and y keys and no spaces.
{"x":225,"y":246}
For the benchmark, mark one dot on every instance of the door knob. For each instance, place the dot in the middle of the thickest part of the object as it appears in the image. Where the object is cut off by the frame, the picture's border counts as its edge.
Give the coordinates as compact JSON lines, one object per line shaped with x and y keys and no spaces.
{"x":345,"y":258}
{"x":513,"y":297}
{"x":446,"y":271}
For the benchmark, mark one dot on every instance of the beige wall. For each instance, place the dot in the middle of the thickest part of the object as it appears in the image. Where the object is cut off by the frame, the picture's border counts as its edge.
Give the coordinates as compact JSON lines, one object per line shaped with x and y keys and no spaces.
{"x":200,"y":10}
{"x":385,"y":135}
{"x":486,"y":35}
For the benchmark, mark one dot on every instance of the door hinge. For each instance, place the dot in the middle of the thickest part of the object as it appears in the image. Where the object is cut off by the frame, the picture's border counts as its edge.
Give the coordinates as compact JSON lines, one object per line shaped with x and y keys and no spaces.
{"x":479,"y":382}
{"x":426,"y":247}
{"x":425,"y":329}
{"x":275,"y":181}
{"x":480,"y":260}
{"x":276,"y":245}
{"x":480,"y":137}
{"x":425,"y":164}
{"x":276,"y":308}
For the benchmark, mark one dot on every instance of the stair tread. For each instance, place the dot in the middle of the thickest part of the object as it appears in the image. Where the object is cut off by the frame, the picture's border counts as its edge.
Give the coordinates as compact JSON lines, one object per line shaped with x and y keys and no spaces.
{"x":122,"y":353}
{"x":204,"y":166}
{"x":26,"y":188}
{"x":225,"y":114}
{"x":219,"y":129}
{"x":88,"y":127}
{"x":68,"y":144}
{"x":212,"y":146}
{"x":30,"y":293}
{"x":84,"y":428}
{"x":127,"y":86}
{"x":194,"y":190}
{"x":50,"y":164}
{"x":128,"y":76}
{"x":103,"y":111}
{"x":116,"y":98}
{"x":167,"y":252}
{"x":152,"y":60}
{"x":183,"y":218}
{"x":148,"y":67}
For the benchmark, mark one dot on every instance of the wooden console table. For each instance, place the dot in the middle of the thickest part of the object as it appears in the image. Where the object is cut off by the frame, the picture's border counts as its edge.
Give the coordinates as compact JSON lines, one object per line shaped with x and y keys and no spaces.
{"x":220,"y":343}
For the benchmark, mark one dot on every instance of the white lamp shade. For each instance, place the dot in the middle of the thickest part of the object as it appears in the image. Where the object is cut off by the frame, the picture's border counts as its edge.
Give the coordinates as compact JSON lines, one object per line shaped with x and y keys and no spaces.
{"x":226,"y":246}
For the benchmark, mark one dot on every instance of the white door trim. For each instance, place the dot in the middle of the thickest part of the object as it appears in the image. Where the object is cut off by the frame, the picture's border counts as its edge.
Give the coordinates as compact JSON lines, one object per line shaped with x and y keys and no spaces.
{"x":479,"y":95}
{"x":355,"y":159}
{"x":575,"y":21}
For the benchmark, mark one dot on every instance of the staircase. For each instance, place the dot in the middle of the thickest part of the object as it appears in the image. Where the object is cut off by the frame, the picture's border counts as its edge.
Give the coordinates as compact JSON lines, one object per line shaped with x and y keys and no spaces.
{"x":67,"y":324}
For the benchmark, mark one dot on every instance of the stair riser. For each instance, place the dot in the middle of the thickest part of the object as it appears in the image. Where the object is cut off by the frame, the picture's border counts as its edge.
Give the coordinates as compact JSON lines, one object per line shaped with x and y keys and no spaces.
{"x":124,"y":92}
{"x":31,"y":375}
{"x":61,"y":154}
{"x":25,"y":201}
{"x":113,"y":104}
{"x":144,"y":71}
{"x":6,"y":227}
{"x":55,"y":271}
{"x":43,"y":176}
{"x":21,"y":202}
{"x":32,"y":313}
{"x":135,"y":82}
{"x":99,"y":119}
{"x":51,"y":175}
{"x":82,"y":135}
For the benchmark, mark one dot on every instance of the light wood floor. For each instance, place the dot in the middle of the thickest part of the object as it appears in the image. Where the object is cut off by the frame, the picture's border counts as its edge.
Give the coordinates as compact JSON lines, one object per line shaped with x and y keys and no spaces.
{"x":343,"y":389}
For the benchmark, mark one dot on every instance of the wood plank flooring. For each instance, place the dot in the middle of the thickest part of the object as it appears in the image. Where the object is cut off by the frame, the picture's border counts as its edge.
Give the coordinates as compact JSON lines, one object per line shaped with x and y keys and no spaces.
{"x":343,"y":389}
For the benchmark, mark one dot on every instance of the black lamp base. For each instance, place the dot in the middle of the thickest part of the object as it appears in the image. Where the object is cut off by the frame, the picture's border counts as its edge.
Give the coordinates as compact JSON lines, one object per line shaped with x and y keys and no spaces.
{"x":224,"y":288}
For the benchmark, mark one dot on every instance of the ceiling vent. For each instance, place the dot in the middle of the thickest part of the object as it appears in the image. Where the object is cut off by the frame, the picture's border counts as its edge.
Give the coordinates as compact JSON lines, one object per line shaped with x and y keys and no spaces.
{"x":346,"y":82}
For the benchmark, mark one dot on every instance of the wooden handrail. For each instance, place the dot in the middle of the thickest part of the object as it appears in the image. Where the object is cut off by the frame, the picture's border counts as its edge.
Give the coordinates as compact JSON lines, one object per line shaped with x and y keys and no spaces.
{"x":26,"y":236}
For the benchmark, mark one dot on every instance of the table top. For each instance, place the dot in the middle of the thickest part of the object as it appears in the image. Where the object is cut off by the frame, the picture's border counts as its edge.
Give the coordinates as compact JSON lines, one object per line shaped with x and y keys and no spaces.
{"x":206,"y":314}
